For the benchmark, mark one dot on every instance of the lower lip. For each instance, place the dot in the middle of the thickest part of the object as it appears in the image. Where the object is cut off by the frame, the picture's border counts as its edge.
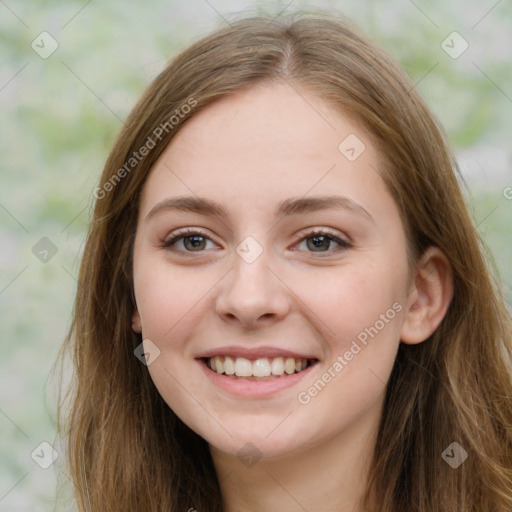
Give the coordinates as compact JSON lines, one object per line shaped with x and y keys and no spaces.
{"x":257,"y":389}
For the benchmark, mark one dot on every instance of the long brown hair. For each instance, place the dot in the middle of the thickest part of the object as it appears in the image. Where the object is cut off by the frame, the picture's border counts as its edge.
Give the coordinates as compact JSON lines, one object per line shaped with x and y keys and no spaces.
{"x":128,"y":451}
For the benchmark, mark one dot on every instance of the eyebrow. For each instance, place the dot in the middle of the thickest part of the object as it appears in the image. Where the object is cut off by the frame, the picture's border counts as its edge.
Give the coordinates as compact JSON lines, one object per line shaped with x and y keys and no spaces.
{"x":292,"y":206}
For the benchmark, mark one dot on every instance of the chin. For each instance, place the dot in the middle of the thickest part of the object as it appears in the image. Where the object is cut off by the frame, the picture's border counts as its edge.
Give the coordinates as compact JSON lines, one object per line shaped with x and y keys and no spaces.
{"x":251,"y":449}
{"x":257,"y":440}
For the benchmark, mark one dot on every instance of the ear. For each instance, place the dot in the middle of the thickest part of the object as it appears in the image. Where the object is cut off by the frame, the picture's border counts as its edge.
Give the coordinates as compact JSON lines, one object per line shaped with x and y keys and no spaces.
{"x":136,"y":322}
{"x":429,"y":297}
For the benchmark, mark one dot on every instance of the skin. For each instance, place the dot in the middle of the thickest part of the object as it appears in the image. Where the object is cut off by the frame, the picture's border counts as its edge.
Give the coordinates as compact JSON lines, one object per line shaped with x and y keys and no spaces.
{"x":250,"y":152}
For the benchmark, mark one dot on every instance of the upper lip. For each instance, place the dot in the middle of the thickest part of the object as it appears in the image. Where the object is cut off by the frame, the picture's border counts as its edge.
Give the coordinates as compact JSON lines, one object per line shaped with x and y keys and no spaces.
{"x":252,"y":353}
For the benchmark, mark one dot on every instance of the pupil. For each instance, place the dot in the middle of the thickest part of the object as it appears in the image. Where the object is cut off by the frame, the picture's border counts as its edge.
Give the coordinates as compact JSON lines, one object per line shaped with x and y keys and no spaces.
{"x":194,"y":242}
{"x":320,"y":242}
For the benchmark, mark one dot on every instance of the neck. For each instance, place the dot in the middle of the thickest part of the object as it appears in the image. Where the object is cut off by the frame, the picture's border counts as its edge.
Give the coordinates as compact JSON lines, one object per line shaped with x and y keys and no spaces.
{"x":330,"y":476}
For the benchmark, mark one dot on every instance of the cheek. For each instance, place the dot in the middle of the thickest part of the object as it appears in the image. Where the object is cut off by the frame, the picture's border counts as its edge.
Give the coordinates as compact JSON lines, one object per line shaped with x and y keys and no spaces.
{"x":171,"y":303}
{"x":362,"y":306}
{"x":169,"y":299}
{"x":348,"y":301}
{"x":364,"y":316}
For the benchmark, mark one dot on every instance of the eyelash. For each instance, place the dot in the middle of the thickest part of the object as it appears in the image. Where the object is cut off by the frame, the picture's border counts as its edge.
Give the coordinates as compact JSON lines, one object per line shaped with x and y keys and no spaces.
{"x":185,"y":233}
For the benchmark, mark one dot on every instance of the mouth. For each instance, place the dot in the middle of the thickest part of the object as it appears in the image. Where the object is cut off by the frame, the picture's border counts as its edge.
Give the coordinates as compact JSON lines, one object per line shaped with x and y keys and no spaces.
{"x":263,"y":372}
{"x":261,"y":369}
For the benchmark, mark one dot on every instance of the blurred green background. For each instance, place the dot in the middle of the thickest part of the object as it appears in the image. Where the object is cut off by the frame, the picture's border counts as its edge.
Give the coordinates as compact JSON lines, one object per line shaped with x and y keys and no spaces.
{"x":59,"y":116}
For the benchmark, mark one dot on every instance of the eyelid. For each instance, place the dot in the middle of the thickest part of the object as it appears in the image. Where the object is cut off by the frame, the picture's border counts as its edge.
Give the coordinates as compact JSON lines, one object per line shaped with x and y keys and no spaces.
{"x":319,"y":230}
{"x":181,"y":233}
{"x":342,"y":240}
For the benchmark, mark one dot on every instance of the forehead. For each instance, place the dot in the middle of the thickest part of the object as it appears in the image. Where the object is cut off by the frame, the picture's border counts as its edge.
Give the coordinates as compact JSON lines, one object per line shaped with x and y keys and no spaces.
{"x":271,"y":142}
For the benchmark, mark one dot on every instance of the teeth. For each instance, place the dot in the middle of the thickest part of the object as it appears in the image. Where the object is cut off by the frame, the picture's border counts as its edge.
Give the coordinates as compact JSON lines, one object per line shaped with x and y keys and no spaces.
{"x":229,"y":366}
{"x":261,"y":368}
{"x":264,"y":367}
{"x":219,"y":365}
{"x":243,"y":367}
{"x":277,"y":366}
{"x":289,"y":365}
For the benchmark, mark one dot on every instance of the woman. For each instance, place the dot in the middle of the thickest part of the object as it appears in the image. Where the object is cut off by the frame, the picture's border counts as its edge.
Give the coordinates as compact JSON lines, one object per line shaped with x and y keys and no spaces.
{"x":283,"y":302}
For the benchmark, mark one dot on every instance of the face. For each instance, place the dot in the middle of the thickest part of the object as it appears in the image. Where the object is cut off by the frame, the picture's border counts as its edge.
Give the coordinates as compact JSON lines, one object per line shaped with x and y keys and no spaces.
{"x":270,"y":272}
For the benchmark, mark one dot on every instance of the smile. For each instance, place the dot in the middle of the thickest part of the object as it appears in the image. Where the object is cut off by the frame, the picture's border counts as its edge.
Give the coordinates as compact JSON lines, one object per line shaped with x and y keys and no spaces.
{"x":256,"y":377}
{"x":259,"y":369}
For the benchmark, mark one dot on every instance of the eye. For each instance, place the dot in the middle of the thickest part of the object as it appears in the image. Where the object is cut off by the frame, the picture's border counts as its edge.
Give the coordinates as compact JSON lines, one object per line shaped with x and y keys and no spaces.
{"x":193,"y":240}
{"x":187,"y":240}
{"x":322,"y":241}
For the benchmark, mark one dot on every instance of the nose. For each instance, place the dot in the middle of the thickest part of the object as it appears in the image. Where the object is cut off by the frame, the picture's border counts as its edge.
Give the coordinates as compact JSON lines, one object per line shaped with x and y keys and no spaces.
{"x":252,"y":295}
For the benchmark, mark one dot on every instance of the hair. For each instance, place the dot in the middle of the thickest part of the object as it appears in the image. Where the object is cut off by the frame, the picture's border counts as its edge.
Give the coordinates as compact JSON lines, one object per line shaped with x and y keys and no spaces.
{"x":127,"y":450}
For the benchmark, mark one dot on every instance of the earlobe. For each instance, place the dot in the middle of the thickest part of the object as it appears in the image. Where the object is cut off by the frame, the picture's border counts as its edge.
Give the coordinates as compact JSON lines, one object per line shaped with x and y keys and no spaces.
{"x":136,"y":322}
{"x":430,"y":296}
